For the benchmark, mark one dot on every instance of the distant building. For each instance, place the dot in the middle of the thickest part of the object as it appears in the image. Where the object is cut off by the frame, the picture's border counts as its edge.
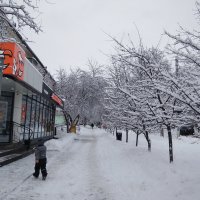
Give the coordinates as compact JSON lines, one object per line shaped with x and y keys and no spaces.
{"x":60,"y":119}
{"x":28,"y":101}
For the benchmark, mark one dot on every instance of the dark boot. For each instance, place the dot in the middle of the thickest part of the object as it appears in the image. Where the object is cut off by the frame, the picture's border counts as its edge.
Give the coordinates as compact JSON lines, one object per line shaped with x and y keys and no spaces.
{"x":37,"y":170}
{"x":43,"y":168}
{"x":35,"y":175}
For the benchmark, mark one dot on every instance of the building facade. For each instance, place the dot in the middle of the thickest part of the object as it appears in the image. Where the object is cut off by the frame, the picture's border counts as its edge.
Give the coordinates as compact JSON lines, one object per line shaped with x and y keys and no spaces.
{"x":27,"y":98}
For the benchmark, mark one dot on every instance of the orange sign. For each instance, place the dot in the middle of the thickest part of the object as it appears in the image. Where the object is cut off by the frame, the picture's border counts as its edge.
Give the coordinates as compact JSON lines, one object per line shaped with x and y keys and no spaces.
{"x":57,"y":99}
{"x":12,"y":59}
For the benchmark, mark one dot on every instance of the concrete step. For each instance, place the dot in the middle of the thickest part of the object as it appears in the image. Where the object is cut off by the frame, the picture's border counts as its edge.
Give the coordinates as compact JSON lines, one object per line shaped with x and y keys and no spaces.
{"x":12,"y":152}
{"x":12,"y":149}
{"x":4,"y":160}
{"x":5,"y":152}
{"x":10,"y":145}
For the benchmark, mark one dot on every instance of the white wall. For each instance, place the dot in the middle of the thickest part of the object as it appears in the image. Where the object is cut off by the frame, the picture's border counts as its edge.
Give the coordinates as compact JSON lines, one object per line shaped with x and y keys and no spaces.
{"x":17,"y":115}
{"x":32,"y":76}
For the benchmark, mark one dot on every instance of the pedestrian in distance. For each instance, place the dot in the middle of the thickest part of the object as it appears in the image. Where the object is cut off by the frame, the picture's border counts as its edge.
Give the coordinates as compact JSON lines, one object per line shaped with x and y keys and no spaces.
{"x":40,"y":160}
{"x":92,"y":125}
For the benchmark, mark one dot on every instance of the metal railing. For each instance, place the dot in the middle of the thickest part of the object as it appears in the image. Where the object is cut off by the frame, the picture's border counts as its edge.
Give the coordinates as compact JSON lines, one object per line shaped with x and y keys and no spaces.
{"x":20,"y":132}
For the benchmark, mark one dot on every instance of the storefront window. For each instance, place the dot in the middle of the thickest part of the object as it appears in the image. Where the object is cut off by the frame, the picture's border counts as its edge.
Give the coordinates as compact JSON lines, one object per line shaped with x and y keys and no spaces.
{"x":32,"y":122}
{"x":48,"y":122}
{"x":38,"y":116}
{"x":23,"y":112}
{"x":28,"y":119}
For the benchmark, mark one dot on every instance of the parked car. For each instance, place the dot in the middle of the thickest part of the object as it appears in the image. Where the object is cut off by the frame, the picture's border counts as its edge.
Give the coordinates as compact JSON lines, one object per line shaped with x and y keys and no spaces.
{"x":186,"y":130}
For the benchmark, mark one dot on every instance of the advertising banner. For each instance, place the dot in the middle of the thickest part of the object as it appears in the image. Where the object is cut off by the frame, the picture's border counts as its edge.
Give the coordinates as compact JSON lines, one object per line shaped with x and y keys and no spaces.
{"x":12,"y":59}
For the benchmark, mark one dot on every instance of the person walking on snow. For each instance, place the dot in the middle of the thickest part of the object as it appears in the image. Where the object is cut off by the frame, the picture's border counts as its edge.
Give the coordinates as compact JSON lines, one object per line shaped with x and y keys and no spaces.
{"x":40,"y":160}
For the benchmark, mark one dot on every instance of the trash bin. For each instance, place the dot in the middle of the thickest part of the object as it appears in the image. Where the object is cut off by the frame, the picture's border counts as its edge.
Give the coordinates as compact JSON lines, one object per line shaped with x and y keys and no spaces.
{"x":27,"y":143}
{"x":118,"y":135}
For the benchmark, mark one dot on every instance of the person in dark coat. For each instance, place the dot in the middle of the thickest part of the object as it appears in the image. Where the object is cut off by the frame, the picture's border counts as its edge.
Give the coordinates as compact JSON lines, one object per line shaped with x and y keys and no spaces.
{"x":40,"y":160}
{"x":92,"y":125}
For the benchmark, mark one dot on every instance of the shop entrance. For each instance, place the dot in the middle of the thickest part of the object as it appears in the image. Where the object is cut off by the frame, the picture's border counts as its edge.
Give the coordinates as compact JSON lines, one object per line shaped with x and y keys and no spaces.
{"x":6,"y":114}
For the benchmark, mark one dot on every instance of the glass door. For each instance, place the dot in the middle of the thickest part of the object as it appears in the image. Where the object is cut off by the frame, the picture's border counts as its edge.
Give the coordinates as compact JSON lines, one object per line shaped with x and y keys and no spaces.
{"x":6,"y":112}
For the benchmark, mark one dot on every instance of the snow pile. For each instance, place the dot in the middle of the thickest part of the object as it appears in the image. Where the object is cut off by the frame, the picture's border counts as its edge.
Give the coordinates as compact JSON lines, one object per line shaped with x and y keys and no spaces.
{"x":189,"y":140}
{"x":64,"y":139}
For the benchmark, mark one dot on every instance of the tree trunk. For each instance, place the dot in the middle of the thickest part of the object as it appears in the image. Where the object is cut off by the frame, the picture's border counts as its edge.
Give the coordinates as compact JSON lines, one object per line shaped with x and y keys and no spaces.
{"x":146,"y":134}
{"x":126,"y":135}
{"x":67,"y":118}
{"x":137,"y":138}
{"x":67,"y":126}
{"x":162,"y":132}
{"x":170,"y":143}
{"x":116,"y":131}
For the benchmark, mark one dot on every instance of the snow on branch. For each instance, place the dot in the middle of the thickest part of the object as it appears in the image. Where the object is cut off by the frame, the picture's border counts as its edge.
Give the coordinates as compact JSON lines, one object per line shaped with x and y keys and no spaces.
{"x":20,"y":13}
{"x":188,"y":42}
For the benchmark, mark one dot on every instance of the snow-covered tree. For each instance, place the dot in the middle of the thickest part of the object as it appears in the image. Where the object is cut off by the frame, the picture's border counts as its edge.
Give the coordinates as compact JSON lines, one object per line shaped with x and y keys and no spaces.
{"x":186,"y":50}
{"x":21,"y":13}
{"x":83,"y":92}
{"x":139,"y":92}
{"x":61,"y":76}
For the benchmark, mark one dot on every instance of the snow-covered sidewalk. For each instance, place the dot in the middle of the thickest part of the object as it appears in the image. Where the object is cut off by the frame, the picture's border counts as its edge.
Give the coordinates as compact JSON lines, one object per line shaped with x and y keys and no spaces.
{"x":95,"y":166}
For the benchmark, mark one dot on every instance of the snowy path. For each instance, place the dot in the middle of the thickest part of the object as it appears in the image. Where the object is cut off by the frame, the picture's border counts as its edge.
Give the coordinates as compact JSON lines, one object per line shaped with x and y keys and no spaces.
{"x":73,"y":173}
{"x":94,"y":166}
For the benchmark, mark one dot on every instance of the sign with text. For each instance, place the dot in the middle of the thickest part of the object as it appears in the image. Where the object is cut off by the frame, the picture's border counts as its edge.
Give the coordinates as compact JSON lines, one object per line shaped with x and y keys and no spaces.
{"x":46,"y":91}
{"x":12,"y":59}
{"x":57,"y":100}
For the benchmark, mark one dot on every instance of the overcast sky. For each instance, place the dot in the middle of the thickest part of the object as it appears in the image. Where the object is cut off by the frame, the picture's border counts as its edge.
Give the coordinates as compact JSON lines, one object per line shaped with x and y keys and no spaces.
{"x":74,"y":30}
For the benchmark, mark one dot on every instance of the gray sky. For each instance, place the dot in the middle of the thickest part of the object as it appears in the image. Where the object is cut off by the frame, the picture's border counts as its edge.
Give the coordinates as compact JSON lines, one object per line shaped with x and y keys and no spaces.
{"x":74,"y":30}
